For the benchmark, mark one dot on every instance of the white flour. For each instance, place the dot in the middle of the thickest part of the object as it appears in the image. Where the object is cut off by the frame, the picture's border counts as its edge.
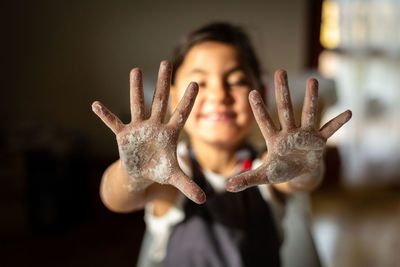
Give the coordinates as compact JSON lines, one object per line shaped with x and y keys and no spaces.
{"x":296,"y":153}
{"x":285,"y":100}
{"x":140,"y":159}
{"x":96,"y":108}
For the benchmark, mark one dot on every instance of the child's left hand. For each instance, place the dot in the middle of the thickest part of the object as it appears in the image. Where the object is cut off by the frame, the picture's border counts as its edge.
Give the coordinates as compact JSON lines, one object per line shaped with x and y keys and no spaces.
{"x":292,"y":150}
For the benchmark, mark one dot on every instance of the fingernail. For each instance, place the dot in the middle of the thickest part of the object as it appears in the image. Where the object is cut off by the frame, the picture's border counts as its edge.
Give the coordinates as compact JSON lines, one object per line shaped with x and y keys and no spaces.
{"x":231,"y":186}
{"x":256,"y":100}
{"x":201,"y":199}
{"x":95,"y":107}
{"x":350,"y":114}
{"x":193,"y":85}
{"x":164,"y":66}
{"x":236,"y":184}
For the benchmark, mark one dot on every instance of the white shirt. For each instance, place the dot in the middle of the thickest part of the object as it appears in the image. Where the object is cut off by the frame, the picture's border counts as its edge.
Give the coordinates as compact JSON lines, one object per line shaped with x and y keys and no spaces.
{"x":159,"y":228}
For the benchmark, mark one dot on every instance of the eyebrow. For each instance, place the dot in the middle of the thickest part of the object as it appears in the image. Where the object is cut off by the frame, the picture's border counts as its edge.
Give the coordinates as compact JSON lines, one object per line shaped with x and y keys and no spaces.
{"x":198,"y":71}
{"x":202,"y":71}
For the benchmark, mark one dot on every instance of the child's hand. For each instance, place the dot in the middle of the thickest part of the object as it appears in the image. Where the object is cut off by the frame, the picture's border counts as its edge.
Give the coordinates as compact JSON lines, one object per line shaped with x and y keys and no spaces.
{"x":292,"y":151}
{"x":147,"y":148}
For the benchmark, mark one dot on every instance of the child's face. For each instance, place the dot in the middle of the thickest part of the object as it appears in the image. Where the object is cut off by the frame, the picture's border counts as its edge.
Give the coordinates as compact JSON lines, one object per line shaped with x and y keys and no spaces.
{"x":221,"y":114}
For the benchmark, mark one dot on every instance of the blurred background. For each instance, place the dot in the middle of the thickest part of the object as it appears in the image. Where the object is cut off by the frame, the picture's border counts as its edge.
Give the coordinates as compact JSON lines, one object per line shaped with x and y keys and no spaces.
{"x":60,"y":56}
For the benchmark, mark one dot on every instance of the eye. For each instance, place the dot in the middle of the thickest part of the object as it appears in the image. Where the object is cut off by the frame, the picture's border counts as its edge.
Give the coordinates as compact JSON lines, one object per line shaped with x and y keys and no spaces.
{"x":239,"y":83}
{"x":201,"y":84}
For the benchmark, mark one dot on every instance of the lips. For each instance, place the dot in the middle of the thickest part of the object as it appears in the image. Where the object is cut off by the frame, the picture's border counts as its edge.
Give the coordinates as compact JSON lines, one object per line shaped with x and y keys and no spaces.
{"x":218,"y":116}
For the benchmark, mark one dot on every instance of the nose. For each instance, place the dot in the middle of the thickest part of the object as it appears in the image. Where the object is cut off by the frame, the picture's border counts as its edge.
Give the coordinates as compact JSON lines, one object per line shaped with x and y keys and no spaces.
{"x":219,"y":93}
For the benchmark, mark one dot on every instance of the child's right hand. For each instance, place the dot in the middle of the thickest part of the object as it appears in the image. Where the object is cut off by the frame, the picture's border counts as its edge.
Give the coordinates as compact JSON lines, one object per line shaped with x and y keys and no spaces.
{"x":147,"y":148}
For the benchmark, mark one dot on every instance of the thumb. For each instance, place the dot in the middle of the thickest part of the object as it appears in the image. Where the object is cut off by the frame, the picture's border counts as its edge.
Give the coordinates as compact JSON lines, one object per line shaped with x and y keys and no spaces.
{"x":188,"y":187}
{"x":247,"y":179}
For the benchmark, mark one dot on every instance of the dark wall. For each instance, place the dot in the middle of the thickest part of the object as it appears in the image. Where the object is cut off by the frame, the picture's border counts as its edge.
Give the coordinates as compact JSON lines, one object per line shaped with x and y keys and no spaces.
{"x":60,"y":56}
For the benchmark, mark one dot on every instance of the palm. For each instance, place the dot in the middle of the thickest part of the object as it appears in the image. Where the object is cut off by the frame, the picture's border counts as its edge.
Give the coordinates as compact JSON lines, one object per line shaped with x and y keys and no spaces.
{"x":147,"y":148}
{"x":146,"y":151}
{"x":292,"y":150}
{"x":293,"y":154}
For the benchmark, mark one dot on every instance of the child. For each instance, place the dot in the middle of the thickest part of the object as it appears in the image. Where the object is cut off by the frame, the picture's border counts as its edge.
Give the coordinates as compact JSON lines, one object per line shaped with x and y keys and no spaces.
{"x":223,"y":224}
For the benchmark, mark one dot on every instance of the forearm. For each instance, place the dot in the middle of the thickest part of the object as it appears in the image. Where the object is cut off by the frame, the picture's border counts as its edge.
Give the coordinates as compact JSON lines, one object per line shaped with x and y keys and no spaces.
{"x":303,"y":183}
{"x":117,"y":191}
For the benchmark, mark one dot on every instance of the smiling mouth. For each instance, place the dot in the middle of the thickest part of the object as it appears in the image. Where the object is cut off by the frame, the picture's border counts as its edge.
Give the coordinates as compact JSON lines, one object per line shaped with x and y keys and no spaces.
{"x":218,"y":117}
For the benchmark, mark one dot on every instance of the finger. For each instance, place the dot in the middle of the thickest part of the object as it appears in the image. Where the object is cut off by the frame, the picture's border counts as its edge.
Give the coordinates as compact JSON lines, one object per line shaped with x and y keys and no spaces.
{"x":136,"y":92}
{"x":310,"y":104}
{"x":161,"y":94}
{"x":107,"y":117}
{"x":283,"y":101}
{"x":188,"y":187}
{"x":333,"y":125}
{"x":261,"y":114}
{"x":184,"y":107}
{"x":247,"y":179}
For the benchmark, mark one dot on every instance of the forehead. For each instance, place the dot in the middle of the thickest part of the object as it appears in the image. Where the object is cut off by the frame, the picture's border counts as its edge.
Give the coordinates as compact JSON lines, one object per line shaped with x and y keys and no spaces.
{"x":211,"y":56}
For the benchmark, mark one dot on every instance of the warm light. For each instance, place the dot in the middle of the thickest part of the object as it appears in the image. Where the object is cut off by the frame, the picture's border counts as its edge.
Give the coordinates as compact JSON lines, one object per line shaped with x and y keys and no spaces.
{"x":330,"y":32}
{"x":328,"y":63}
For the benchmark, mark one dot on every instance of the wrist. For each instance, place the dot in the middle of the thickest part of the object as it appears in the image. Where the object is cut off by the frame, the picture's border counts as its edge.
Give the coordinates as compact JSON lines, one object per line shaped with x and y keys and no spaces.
{"x":132,"y":184}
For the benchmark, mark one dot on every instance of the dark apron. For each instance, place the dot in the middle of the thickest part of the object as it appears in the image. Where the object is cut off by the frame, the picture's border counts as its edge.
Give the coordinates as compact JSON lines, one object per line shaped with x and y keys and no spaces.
{"x":229,"y":230}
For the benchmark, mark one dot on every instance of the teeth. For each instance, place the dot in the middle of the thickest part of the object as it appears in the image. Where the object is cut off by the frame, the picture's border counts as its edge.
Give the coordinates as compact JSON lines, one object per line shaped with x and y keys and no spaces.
{"x":217,"y":116}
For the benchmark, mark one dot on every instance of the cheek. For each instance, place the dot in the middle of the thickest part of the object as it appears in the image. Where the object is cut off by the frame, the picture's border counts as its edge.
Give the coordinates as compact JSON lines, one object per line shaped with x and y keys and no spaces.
{"x":191,"y":120}
{"x":176,"y":95}
{"x":244,"y":109}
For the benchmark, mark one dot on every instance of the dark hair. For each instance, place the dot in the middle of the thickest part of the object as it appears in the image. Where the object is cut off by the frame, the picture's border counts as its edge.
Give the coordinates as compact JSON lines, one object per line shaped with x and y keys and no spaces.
{"x":224,"y":33}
